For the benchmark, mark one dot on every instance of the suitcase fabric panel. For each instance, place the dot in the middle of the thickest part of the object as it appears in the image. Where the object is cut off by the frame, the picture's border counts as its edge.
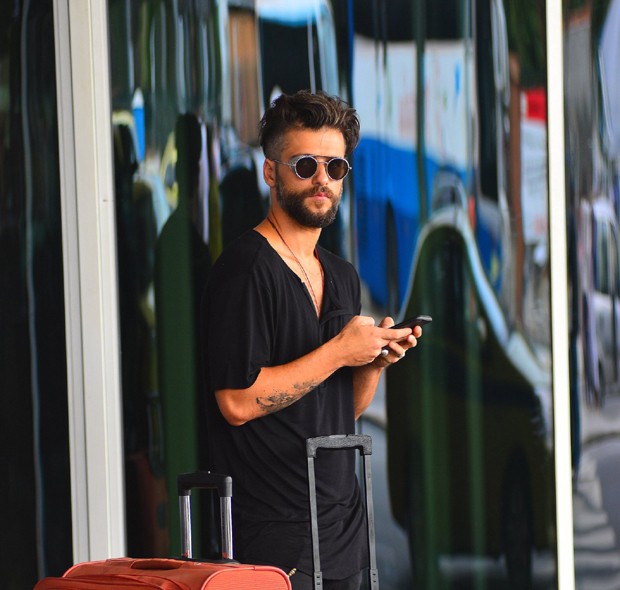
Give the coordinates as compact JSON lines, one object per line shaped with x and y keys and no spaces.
{"x":167,"y":574}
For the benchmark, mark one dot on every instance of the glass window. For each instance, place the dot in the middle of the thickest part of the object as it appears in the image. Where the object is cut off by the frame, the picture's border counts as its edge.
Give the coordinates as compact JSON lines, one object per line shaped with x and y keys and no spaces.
{"x":35,"y":495}
{"x":590,"y":42}
{"x":468,"y":417}
{"x":463,"y":468}
{"x":186,"y":183}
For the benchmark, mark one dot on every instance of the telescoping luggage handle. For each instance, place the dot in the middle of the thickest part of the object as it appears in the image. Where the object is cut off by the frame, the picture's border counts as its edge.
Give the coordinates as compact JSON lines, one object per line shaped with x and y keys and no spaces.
{"x":363,"y":442}
{"x":210,"y":481}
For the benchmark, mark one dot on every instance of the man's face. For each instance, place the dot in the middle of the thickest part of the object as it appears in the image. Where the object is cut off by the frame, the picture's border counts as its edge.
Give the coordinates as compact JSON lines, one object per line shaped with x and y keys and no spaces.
{"x":298,"y":204}
{"x":312,"y":202}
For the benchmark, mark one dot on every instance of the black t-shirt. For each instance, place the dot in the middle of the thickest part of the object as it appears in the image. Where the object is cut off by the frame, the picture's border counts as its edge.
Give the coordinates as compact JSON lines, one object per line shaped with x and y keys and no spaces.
{"x":259,"y":314}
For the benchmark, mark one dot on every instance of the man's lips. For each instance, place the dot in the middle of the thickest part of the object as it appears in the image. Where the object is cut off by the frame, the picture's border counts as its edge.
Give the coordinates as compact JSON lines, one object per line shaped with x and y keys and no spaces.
{"x":321,"y":195}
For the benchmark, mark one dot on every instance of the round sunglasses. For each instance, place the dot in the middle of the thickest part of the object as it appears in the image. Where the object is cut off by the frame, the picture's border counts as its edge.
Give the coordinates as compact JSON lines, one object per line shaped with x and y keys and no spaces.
{"x":306,"y":166}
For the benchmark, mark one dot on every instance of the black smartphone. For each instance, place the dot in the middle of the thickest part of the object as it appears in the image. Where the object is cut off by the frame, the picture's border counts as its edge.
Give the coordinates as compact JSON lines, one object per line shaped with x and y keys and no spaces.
{"x":418,"y":320}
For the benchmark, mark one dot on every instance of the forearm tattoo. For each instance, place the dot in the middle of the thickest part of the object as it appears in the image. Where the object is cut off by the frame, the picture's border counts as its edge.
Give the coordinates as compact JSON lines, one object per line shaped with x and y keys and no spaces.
{"x":282,"y":399}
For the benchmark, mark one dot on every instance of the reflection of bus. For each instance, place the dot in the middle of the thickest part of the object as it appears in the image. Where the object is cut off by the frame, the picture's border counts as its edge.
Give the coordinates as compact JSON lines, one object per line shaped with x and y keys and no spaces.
{"x":469,"y":429}
{"x":431,"y":84}
{"x":470,"y":455}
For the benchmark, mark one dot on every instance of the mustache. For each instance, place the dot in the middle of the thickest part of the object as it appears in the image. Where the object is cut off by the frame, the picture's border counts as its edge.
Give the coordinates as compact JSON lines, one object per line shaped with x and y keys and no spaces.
{"x":322,"y":191}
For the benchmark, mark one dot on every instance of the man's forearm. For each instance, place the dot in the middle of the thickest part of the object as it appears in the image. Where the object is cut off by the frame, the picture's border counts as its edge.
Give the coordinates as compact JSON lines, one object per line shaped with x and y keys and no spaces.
{"x":278,"y":400}
{"x":277,"y":387}
{"x":365,"y":381}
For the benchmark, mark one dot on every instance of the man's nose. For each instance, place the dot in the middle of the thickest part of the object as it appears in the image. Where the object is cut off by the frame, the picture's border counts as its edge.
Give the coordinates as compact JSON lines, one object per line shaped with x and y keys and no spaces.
{"x":321,"y":176}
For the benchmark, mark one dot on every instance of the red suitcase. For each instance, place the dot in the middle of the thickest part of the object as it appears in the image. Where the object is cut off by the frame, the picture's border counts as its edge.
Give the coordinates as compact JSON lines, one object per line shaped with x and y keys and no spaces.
{"x":177,"y":574}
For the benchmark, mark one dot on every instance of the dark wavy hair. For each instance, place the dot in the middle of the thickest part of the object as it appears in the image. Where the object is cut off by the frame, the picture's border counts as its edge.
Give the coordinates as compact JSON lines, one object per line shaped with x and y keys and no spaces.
{"x":305,"y":110}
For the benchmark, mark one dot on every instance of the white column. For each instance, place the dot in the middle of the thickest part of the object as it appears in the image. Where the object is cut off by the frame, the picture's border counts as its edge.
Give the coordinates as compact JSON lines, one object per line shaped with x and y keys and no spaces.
{"x":90,"y":275}
{"x":559,"y":296}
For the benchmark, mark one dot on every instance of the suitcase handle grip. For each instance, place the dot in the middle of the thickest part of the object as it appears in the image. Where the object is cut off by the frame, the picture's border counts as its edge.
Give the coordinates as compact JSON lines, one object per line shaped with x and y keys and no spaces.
{"x":205,"y":480}
{"x":155,"y":564}
{"x":363,"y":442}
{"x":209,"y":481}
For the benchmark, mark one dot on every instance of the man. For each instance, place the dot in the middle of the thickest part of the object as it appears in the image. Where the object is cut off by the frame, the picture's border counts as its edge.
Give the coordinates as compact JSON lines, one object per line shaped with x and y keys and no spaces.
{"x":288,"y":355}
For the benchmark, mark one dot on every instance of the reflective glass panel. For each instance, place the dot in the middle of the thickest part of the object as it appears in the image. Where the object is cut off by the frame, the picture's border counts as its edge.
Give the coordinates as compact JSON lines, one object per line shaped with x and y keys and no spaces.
{"x":444,"y":213}
{"x":450,"y":191}
{"x":35,"y":493}
{"x":592,"y":128}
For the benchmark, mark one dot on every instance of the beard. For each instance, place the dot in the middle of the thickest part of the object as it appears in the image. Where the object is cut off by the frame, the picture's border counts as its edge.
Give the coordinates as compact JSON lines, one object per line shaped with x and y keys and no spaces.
{"x":294,"y":205}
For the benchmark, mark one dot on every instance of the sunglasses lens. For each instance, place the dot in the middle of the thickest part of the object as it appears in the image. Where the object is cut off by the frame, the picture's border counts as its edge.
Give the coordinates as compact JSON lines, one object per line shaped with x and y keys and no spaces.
{"x":337,"y":168}
{"x":306,"y":167}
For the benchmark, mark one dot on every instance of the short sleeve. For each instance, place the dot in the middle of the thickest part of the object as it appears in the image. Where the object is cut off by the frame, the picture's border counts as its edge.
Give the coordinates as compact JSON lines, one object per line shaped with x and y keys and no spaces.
{"x":238,"y":325}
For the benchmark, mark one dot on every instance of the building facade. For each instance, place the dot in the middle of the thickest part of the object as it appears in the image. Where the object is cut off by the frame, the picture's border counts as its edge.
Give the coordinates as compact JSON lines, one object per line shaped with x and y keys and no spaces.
{"x":484,"y":192}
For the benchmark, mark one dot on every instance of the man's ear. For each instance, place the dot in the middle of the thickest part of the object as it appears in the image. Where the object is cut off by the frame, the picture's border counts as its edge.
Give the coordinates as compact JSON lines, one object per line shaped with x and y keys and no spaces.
{"x":269,"y":172}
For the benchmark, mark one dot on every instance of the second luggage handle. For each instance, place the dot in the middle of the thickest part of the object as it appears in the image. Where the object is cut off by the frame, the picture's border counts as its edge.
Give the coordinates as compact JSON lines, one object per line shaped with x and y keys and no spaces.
{"x":363,"y":442}
{"x":210,"y":481}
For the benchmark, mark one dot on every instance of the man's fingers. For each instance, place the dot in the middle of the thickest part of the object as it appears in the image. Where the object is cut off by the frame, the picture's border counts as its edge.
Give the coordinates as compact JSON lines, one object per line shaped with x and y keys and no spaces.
{"x":391,"y":335}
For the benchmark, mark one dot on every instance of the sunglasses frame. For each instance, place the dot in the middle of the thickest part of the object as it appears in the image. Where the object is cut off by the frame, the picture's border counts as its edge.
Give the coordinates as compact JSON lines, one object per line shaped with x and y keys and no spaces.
{"x":292,"y":164}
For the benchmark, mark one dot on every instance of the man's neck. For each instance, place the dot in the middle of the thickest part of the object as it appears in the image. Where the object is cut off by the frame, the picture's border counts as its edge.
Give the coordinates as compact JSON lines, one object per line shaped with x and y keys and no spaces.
{"x":280,"y":229}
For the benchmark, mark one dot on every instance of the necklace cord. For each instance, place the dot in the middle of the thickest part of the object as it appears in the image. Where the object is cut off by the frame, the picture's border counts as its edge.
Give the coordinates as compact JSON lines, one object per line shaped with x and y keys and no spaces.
{"x":303,"y":270}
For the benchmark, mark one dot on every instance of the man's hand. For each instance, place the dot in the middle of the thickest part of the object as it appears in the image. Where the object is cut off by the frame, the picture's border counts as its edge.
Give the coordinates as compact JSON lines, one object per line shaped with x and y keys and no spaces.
{"x":395,"y":350}
{"x":361,"y":342}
